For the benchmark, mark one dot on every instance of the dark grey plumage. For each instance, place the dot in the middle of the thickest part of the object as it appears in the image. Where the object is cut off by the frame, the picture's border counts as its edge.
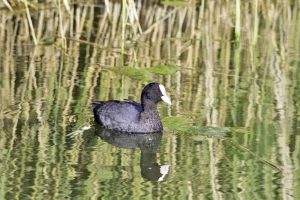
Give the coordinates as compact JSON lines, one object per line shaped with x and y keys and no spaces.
{"x":129,"y":116}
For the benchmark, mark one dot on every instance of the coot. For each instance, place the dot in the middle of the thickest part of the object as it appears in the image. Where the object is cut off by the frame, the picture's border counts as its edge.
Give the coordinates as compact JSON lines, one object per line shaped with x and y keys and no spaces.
{"x":130,"y":116}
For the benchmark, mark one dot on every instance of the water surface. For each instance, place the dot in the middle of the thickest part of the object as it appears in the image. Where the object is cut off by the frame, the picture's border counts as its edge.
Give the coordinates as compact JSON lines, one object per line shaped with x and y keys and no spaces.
{"x":231,"y":133}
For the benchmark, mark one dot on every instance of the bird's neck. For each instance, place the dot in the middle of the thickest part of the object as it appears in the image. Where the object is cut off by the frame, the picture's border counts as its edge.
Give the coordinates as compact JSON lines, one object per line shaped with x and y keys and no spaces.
{"x":149,"y":106}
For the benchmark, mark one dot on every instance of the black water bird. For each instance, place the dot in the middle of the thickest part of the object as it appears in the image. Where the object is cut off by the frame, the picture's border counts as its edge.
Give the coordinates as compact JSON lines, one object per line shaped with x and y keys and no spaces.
{"x":130,"y":116}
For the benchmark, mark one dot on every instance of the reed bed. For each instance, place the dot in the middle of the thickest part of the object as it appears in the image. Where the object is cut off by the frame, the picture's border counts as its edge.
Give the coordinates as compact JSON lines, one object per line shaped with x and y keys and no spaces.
{"x":238,"y":66}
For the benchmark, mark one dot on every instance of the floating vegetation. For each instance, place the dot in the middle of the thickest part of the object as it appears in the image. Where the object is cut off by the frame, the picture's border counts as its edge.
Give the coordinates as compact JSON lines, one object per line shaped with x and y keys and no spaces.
{"x":143,"y":74}
{"x":176,"y":3}
{"x":133,"y":73}
{"x":163,"y":69}
{"x":178,"y":123}
{"x":184,"y":125}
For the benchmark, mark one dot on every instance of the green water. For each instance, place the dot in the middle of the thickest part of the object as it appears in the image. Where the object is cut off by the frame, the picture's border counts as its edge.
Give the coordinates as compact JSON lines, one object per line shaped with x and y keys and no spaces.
{"x":232,"y":131}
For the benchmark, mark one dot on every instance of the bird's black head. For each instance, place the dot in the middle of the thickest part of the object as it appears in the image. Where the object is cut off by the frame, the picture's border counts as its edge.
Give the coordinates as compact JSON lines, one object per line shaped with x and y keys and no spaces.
{"x":153,"y":93}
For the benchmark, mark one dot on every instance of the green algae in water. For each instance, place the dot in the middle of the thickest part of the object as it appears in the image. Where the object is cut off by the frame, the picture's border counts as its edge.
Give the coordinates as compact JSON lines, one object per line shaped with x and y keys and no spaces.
{"x":182,"y":124}
{"x":176,"y":3}
{"x":163,"y":69}
{"x":134,"y":73}
{"x":177,"y":124}
{"x":143,"y":74}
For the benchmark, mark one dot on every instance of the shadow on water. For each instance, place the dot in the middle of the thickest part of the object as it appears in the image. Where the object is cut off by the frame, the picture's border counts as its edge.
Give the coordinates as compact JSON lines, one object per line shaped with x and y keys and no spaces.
{"x":148,"y":143}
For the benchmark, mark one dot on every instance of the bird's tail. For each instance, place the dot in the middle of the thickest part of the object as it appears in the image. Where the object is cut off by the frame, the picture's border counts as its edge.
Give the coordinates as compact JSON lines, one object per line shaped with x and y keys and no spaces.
{"x":95,"y":104}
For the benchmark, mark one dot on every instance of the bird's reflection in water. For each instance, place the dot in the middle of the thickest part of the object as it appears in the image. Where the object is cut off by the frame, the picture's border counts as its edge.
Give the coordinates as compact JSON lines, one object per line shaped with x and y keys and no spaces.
{"x":147,"y":142}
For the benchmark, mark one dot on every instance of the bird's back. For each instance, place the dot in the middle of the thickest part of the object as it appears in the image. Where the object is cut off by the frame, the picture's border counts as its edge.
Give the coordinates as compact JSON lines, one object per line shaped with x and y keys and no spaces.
{"x":119,"y":115}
